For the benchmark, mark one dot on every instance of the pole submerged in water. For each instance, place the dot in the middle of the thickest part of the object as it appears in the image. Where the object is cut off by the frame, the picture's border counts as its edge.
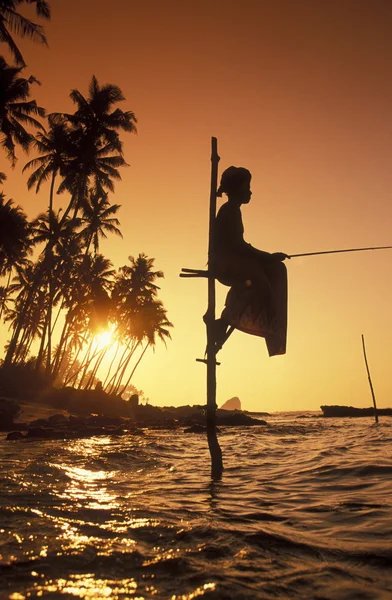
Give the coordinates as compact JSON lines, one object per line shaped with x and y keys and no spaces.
{"x":370,"y":380}
{"x":213,"y":444}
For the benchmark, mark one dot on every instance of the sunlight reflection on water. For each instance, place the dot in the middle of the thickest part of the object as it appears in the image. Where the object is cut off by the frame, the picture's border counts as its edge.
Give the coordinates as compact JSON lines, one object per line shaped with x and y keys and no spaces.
{"x":88,"y":586}
{"x":89,"y":485}
{"x":141,"y":518}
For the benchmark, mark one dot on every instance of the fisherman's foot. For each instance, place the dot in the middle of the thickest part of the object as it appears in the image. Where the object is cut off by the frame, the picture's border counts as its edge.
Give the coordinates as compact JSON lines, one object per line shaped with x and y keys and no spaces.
{"x":220,"y":333}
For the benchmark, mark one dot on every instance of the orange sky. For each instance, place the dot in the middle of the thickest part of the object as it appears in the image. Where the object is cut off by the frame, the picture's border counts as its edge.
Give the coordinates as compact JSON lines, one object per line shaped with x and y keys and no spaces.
{"x":301,"y":94}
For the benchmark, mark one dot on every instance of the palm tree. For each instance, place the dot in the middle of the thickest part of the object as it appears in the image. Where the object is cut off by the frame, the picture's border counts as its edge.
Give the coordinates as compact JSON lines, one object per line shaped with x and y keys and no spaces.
{"x":16,"y":110}
{"x":134,"y":298}
{"x":70,"y":292}
{"x":29,"y":319}
{"x":95,"y":156}
{"x":48,"y":228}
{"x":96,"y":116}
{"x":98,"y":155}
{"x":97,"y":274}
{"x":55,"y":147}
{"x":10,"y":19}
{"x":15,"y":244}
{"x":14,"y":235}
{"x":5,"y":297}
{"x":136,"y":282}
{"x":53,"y":230}
{"x":153,"y":323}
{"x":98,"y":216}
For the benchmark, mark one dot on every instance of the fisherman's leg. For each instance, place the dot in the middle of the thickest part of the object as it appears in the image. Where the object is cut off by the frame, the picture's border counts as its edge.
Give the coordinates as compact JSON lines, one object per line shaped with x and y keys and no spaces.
{"x":247,"y":280}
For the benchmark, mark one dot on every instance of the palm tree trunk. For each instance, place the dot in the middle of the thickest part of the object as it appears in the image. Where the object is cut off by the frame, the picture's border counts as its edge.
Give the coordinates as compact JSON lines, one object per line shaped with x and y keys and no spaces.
{"x":62,"y":341}
{"x":23,"y":342}
{"x":111,"y":364}
{"x":111,"y":386}
{"x":24,"y":310}
{"x":37,"y":278}
{"x":85,"y":363}
{"x":40,"y":355}
{"x":51,"y":293}
{"x":88,"y":363}
{"x":134,"y":369}
{"x":50,"y":303}
{"x":57,"y":316}
{"x":24,"y":354}
{"x":88,"y":245}
{"x":123,"y":371}
{"x":95,"y":369}
{"x":71,"y":377}
{"x":5,"y":293}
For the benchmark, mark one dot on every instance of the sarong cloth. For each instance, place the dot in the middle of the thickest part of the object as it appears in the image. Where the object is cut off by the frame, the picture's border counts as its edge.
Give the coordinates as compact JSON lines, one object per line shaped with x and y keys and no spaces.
{"x":250,"y":311}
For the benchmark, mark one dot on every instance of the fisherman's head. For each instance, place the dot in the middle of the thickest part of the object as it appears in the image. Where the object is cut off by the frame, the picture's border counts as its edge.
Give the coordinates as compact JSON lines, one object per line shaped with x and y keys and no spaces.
{"x":235,"y":182}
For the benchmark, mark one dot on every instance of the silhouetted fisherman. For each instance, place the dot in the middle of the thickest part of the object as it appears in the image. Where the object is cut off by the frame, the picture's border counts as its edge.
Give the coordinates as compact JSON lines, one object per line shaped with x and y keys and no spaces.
{"x":257,"y":300}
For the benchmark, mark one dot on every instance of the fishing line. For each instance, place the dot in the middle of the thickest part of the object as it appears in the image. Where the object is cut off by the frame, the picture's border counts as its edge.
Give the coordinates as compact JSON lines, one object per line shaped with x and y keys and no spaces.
{"x":336,"y":251}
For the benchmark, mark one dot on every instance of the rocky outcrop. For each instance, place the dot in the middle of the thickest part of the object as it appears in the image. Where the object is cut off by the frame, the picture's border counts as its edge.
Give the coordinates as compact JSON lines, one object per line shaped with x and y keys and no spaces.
{"x":56,"y":428}
{"x":352,"y":411}
{"x":196,"y":428}
{"x":236,"y":418}
{"x":192,"y":418}
{"x":232,"y":404}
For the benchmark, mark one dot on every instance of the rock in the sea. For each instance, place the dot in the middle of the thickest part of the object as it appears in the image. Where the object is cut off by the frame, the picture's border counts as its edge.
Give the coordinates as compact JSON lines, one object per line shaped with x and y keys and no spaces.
{"x":352,"y":411}
{"x":39,"y":423}
{"x":232,"y":404}
{"x":58,"y":418}
{"x":40,"y":432}
{"x":236,"y":418}
{"x":15,"y":435}
{"x":196,"y":428}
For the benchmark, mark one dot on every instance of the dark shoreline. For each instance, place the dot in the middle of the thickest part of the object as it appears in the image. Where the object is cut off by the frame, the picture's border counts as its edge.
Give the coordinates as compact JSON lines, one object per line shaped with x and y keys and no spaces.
{"x":79,"y":414}
{"x":352,"y":411}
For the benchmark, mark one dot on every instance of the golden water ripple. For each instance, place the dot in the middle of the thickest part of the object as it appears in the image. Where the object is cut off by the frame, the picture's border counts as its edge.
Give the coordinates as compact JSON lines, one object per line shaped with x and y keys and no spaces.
{"x":124,"y":518}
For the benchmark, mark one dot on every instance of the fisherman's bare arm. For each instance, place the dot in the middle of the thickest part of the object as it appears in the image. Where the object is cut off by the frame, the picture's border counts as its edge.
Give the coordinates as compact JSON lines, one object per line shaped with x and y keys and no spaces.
{"x":267,"y":256}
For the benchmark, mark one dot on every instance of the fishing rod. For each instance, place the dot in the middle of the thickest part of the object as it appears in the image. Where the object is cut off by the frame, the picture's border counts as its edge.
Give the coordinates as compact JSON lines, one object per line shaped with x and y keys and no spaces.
{"x":335,"y":251}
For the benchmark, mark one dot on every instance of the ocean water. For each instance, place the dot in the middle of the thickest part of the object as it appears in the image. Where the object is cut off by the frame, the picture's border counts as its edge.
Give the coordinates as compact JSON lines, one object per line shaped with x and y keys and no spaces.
{"x":303,"y":510}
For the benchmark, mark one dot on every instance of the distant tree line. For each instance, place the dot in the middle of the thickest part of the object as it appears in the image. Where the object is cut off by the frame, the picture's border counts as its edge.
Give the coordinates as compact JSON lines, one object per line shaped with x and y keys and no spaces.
{"x":69,"y":291}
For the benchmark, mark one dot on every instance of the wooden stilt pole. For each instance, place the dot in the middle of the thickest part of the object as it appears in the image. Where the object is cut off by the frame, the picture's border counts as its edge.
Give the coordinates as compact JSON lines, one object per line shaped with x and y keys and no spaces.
{"x":213,"y":444}
{"x":370,"y":381}
{"x":209,"y":320}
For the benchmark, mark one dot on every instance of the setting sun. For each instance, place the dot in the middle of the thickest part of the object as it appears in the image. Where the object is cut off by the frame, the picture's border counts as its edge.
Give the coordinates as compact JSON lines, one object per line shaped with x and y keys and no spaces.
{"x":104,"y":338}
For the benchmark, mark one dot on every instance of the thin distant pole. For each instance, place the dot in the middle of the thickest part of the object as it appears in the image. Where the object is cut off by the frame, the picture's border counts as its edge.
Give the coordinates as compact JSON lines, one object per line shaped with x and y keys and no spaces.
{"x":370,"y":380}
{"x":336,"y":251}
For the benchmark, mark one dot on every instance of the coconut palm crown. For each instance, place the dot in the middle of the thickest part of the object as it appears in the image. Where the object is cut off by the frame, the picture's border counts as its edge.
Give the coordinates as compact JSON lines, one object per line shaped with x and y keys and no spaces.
{"x":14,"y":234}
{"x":16,"y":110}
{"x":98,"y":151}
{"x":12,"y":21}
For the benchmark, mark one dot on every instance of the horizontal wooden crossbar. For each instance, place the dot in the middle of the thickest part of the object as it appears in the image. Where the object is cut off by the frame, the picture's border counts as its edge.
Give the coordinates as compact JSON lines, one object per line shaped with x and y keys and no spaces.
{"x":194,"y":273}
{"x":204,"y":360}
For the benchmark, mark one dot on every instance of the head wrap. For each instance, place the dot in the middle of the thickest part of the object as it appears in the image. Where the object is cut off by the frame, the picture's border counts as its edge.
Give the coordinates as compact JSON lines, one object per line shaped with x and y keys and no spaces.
{"x":232,"y":178}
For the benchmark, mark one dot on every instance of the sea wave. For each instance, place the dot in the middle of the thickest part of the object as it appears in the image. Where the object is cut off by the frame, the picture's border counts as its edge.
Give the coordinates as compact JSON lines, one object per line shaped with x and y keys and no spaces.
{"x":303,"y":510}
